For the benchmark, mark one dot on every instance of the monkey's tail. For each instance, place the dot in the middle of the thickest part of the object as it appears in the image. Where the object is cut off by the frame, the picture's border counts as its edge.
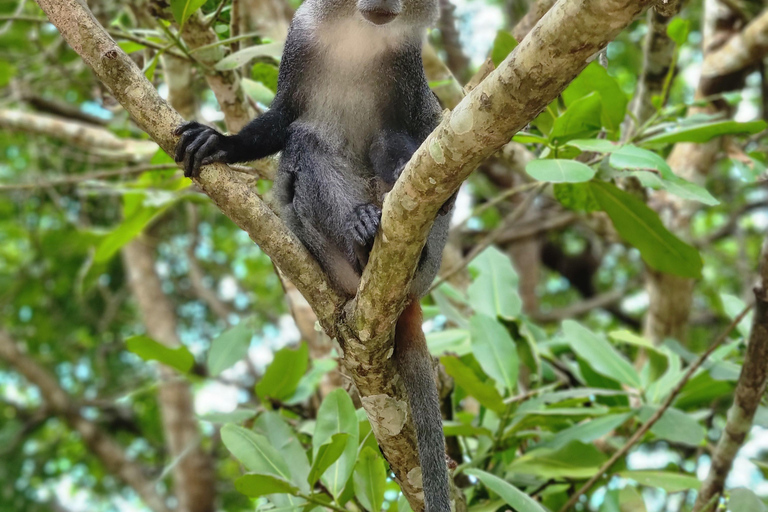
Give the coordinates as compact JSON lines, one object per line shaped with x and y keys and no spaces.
{"x":415,"y":367}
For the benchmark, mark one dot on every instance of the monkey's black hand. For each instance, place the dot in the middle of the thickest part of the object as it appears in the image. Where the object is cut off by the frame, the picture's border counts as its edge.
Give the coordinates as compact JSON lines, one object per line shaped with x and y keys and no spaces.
{"x":199,"y":145}
{"x":364,"y":223}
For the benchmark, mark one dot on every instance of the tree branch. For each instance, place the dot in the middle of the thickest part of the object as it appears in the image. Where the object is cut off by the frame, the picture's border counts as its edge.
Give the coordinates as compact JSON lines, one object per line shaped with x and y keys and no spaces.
{"x":741,"y":51}
{"x":749,"y":391}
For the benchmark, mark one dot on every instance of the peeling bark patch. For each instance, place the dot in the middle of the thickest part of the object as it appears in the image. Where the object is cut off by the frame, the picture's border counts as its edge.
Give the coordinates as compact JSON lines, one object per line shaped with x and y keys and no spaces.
{"x":436,"y":151}
{"x":111,"y":54}
{"x":387,"y":414}
{"x":414,"y":477}
{"x":462,"y":119}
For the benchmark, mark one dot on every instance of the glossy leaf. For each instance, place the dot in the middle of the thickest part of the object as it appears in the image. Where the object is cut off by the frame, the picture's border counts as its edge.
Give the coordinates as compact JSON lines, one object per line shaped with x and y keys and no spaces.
{"x":337,"y":415}
{"x":327,"y":455}
{"x":574,"y":460}
{"x":705,"y":132}
{"x":494,"y":290}
{"x":511,"y":495}
{"x":670,"y":482}
{"x":370,"y":479}
{"x":229,"y":347}
{"x":595,"y":79}
{"x":255,"y":485}
{"x":246,"y":55}
{"x":560,"y":171}
{"x":183,"y":9}
{"x":579,"y":121}
{"x":285,"y":440}
{"x":236,"y":416}
{"x":495,"y":350}
{"x":600,"y":354}
{"x":463,"y":376}
{"x":282,"y":376}
{"x":255,"y":452}
{"x":502,"y":46}
{"x":641,"y":227}
{"x":148,"y":349}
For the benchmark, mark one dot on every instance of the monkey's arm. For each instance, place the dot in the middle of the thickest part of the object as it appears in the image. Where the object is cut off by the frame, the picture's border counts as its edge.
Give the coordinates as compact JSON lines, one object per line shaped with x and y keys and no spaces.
{"x":202,"y":145}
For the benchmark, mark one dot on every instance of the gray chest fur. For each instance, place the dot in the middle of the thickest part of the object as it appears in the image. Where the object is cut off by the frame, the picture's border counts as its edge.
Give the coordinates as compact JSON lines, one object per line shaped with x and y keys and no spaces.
{"x":346,"y":93}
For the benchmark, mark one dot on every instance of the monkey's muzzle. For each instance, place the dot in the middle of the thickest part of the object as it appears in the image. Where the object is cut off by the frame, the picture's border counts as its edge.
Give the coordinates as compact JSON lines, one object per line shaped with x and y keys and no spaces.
{"x":379,"y":16}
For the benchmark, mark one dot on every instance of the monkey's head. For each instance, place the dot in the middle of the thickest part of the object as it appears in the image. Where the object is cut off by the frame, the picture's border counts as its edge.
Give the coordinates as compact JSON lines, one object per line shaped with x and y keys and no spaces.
{"x":383,"y":12}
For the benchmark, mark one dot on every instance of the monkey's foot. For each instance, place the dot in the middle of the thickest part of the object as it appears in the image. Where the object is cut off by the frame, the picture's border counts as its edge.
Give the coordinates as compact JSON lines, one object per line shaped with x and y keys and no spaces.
{"x":199,"y":145}
{"x":364,"y":223}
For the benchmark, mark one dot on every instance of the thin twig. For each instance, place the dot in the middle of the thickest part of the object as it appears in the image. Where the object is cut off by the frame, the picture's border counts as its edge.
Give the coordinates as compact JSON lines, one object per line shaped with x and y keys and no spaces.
{"x":659,"y":412}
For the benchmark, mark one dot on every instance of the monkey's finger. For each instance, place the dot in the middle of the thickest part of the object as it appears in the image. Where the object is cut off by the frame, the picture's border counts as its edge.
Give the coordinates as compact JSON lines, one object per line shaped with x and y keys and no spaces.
{"x":208,"y":146}
{"x":189,"y":159}
{"x":186,"y":140}
{"x":185,"y":126}
{"x":219,"y":156}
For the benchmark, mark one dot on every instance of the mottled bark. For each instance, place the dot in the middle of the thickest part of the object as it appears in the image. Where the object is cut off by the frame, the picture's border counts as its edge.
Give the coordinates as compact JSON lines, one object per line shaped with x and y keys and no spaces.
{"x":99,"y":443}
{"x":749,"y":392}
{"x":268,"y":18}
{"x":193,"y":475}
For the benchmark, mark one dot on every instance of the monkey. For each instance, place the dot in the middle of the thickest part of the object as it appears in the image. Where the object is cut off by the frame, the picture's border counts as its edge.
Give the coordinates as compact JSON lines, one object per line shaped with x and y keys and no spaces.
{"x":352,"y":106}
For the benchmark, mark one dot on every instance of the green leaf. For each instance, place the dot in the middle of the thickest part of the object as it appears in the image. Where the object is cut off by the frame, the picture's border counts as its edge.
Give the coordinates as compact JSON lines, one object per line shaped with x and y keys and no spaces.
{"x":502,"y":46}
{"x":257,"y":91}
{"x":403,"y":505}
{"x":678,"y":30}
{"x":495,"y":350}
{"x":183,"y":9}
{"x":464,"y":377}
{"x":327,"y":455}
{"x":560,"y":171}
{"x":129,"y":46}
{"x":667,"y":480}
{"x":641,"y":227}
{"x":494,"y":291}
{"x":246,"y":55}
{"x":600,"y":354}
{"x":455,"y":341}
{"x":149,"y":69}
{"x":337,"y":415}
{"x":587,"y":431}
{"x":574,"y":460}
{"x":229,"y":347}
{"x":705,"y":132}
{"x":310,"y":381}
{"x":576,"y":196}
{"x":632,"y":157}
{"x":614,"y":102}
{"x":284,"y":373}
{"x":148,"y":349}
{"x":595,"y":145}
{"x":7,"y":72}
{"x":745,"y":500}
{"x":733,"y":306}
{"x":579,"y":121}
{"x":284,"y":439}
{"x":511,"y":495}
{"x":129,"y":229}
{"x":529,"y":138}
{"x":255,"y":485}
{"x":255,"y":451}
{"x":675,"y":426}
{"x":236,"y":416}
{"x":370,"y":479}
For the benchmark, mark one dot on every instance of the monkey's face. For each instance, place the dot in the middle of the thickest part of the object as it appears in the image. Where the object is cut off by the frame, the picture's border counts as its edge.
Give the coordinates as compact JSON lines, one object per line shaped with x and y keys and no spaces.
{"x":382,"y":12}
